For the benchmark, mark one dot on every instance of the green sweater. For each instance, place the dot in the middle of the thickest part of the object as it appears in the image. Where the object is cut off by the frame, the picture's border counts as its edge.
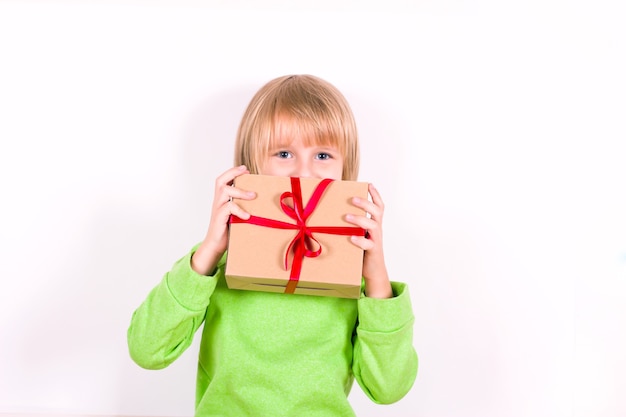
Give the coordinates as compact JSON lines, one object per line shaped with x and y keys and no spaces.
{"x":271,"y":355}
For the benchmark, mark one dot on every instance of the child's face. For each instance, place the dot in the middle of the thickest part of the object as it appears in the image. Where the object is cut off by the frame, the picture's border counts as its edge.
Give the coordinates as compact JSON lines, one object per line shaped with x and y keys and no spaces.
{"x":298,"y":160}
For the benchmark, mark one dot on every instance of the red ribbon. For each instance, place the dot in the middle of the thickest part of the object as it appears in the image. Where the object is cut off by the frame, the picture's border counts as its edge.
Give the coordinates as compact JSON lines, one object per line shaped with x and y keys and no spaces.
{"x":300,"y":242}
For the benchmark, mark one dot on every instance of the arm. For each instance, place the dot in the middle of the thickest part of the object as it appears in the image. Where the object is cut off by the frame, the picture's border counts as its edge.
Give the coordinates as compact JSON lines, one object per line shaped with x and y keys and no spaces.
{"x":215,"y":242}
{"x":384,"y":360}
{"x":377,"y":284}
{"x":163,"y":326}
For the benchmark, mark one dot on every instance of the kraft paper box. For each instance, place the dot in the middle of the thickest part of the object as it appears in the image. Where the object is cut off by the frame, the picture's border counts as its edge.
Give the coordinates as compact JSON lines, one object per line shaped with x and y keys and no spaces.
{"x":257,"y":253}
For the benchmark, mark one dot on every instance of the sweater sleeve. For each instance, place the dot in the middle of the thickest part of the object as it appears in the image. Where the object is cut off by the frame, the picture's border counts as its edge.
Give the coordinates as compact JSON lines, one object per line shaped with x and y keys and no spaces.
{"x":384,"y":361}
{"x":163,"y":326}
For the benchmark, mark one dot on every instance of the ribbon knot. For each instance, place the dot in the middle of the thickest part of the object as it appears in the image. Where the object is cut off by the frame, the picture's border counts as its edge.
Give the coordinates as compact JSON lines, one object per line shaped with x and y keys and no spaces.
{"x":300,"y":214}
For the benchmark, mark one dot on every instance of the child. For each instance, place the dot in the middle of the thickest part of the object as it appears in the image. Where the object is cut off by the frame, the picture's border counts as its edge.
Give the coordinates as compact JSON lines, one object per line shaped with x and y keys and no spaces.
{"x":269,"y":354}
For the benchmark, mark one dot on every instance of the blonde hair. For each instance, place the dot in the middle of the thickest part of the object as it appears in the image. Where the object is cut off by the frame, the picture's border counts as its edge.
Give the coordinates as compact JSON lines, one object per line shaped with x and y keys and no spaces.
{"x":302,"y":106}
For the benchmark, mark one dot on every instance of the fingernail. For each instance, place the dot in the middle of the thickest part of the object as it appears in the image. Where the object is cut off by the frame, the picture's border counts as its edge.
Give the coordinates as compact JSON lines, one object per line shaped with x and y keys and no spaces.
{"x":349,"y":216}
{"x":356,"y":200}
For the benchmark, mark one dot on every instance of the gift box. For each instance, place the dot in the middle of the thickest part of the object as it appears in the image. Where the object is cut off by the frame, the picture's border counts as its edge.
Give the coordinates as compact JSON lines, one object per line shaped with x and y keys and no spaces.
{"x":297,"y":240}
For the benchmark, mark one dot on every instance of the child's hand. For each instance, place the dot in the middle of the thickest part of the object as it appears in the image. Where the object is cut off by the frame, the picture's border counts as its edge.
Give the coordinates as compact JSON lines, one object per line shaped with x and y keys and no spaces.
{"x":215,"y":243}
{"x":377,"y":283}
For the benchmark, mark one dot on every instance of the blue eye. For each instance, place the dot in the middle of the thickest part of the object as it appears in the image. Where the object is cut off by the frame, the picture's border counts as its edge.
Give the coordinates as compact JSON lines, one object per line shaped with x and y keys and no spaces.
{"x":283,"y":154}
{"x":323,"y":156}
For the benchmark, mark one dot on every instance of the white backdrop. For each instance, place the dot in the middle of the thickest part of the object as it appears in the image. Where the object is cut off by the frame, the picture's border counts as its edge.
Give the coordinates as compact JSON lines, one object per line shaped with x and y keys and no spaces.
{"x":495,"y":132}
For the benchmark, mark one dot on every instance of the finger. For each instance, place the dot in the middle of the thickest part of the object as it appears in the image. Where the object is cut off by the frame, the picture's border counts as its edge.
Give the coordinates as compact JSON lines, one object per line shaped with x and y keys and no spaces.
{"x":235,"y":210}
{"x":378,"y":203}
{"x":369,"y":207}
{"x":362,"y":242}
{"x":229,"y":175}
{"x":376,"y":198}
{"x":224,"y":191}
{"x":370,"y":225}
{"x":229,"y":209}
{"x":238,"y":193}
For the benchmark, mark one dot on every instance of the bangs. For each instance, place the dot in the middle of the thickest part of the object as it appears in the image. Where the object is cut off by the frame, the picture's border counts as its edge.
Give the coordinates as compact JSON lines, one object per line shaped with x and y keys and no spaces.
{"x":318,"y":131}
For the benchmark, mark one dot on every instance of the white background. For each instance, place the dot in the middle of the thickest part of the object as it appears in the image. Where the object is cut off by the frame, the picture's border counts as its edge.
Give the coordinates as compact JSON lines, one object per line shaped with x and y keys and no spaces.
{"x":495,"y":131}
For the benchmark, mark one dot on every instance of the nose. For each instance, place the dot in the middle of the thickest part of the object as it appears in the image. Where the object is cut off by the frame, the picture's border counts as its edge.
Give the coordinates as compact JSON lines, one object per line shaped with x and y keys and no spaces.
{"x":304,"y":169}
